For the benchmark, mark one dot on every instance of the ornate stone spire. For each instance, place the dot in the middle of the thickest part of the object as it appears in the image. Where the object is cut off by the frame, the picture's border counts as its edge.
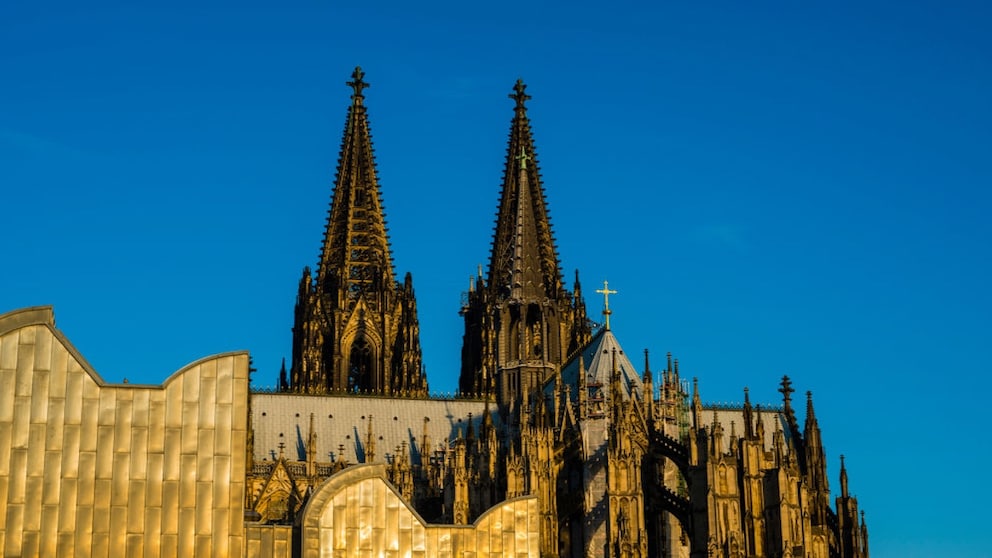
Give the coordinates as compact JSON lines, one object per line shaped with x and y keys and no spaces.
{"x":356,"y":327}
{"x":523,"y":228}
{"x":355,"y":250}
{"x":521,"y":323}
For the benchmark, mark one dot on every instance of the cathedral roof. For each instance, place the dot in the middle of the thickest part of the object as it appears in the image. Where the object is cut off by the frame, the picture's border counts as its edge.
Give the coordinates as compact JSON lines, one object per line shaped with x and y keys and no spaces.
{"x":599,"y":358}
{"x":731,"y":418}
{"x":343,"y":420}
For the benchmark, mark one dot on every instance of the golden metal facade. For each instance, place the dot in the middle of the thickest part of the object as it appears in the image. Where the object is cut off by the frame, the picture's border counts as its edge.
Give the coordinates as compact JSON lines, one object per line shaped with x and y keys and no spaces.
{"x":356,"y":513}
{"x":93,"y":469}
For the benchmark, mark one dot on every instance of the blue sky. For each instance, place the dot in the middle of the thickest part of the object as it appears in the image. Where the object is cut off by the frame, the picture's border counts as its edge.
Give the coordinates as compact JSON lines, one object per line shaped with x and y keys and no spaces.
{"x":773,"y":188}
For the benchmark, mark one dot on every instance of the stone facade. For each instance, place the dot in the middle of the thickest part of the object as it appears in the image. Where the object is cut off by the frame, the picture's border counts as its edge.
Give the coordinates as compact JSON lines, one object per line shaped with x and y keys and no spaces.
{"x":621,"y":464}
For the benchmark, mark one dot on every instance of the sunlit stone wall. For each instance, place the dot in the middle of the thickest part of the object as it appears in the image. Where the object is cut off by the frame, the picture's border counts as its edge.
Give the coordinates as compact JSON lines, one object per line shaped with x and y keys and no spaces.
{"x":357,"y":513}
{"x":92,"y":469}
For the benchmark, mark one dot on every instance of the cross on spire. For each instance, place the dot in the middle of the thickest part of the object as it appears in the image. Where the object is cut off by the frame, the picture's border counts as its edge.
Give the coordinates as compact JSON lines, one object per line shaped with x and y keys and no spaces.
{"x":519,"y":95}
{"x":606,"y":292}
{"x":358,"y":84}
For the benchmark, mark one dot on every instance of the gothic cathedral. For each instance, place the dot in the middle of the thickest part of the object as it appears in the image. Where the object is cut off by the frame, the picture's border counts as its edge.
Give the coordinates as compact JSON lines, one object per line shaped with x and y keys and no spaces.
{"x":613,"y":459}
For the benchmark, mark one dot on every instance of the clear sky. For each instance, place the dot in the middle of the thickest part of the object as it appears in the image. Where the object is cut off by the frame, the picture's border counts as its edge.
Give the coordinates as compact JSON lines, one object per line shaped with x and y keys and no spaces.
{"x":773,"y":188}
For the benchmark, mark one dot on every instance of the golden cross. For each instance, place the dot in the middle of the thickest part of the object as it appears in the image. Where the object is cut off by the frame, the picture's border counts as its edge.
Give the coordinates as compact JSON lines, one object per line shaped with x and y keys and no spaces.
{"x":606,"y":292}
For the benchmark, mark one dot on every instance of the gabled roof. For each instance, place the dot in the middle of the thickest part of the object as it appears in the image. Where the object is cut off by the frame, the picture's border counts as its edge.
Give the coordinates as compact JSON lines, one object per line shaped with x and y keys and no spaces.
{"x":598,"y":362}
{"x":342,"y":422}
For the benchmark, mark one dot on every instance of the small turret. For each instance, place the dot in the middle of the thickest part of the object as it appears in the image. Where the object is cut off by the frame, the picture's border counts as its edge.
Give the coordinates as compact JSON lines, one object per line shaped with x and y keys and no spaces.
{"x":816,"y":465}
{"x":283,"y":378}
{"x":864,"y":536}
{"x":748,"y":418}
{"x":759,"y":427}
{"x":697,"y":405}
{"x":716,"y":445}
{"x":843,"y":479}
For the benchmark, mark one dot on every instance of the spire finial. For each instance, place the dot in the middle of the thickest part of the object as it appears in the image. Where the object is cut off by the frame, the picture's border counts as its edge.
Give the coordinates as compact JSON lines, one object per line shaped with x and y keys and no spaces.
{"x":606,"y":292}
{"x":786,"y":390}
{"x":519,"y":94}
{"x":358,"y":84}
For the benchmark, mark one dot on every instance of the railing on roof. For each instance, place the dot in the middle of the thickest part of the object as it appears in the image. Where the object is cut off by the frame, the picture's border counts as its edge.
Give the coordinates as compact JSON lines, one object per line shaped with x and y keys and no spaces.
{"x":263,"y":469}
{"x":732,"y":406}
{"x":436,"y":395}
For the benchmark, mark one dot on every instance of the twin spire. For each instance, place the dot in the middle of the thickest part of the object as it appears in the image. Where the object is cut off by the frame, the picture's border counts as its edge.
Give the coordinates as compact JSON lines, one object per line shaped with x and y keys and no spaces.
{"x":356,"y":327}
{"x":524,"y":261}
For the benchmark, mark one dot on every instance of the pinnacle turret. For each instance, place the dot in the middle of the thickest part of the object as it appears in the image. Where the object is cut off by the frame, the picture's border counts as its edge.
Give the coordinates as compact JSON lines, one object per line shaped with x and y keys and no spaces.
{"x":748,"y":417}
{"x":843,"y":478}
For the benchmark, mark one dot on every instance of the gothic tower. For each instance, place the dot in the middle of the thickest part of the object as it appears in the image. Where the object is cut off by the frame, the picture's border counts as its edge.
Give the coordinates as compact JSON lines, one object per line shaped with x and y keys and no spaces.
{"x":521,"y":323}
{"x":356,"y":327}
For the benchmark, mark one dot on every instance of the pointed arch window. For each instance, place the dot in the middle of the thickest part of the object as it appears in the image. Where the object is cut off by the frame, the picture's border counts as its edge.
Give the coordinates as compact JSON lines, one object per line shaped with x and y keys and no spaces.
{"x":360,"y":366}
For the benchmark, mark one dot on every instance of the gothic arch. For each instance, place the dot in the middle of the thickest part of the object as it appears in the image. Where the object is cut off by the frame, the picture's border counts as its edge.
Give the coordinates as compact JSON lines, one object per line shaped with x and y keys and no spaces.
{"x":361,"y":358}
{"x":334,"y":511}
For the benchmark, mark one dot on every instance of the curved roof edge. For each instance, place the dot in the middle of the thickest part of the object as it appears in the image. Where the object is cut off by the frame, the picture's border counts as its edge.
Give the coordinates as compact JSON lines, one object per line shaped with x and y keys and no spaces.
{"x":22,"y":317}
{"x":310,"y":515}
{"x":45,"y":316}
{"x":342,"y":479}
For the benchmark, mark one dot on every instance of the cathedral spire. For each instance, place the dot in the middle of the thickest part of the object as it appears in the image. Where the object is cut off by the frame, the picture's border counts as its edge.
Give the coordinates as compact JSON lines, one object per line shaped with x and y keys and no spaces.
{"x":356,"y":327}
{"x":526,"y":281}
{"x":523,"y":229}
{"x":355,"y":250}
{"x":521,"y":324}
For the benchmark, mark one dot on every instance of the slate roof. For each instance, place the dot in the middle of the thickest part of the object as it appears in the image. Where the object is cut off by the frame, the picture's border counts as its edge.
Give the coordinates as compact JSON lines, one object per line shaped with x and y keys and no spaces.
{"x":344,"y":420}
{"x":598,"y":359}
